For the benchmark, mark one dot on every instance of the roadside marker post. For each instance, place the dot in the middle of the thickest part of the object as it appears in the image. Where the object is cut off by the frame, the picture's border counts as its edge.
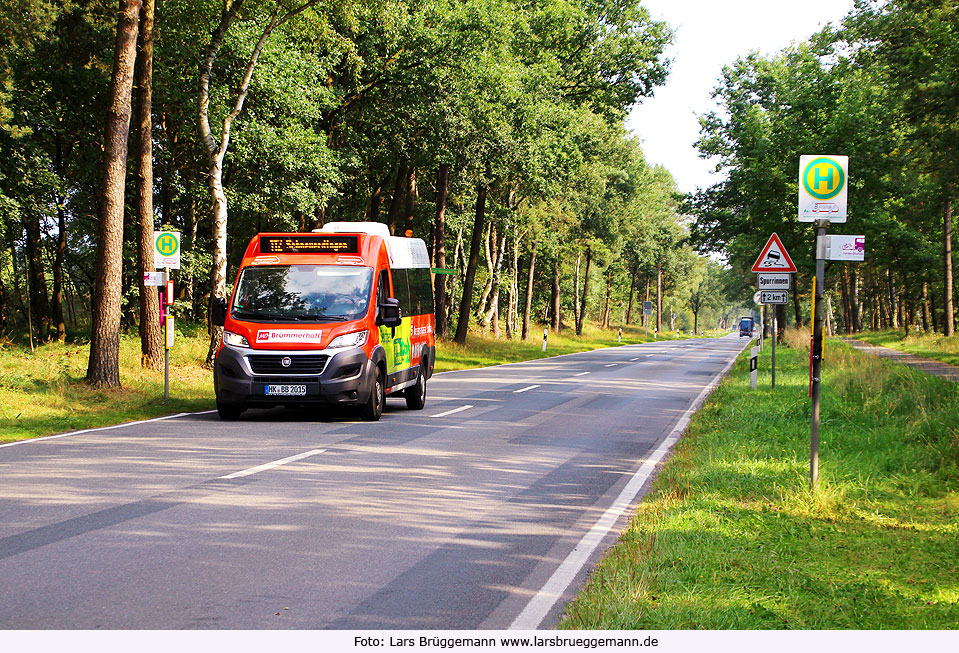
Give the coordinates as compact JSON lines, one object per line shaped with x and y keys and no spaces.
{"x":753,"y":365}
{"x":545,"y":332}
{"x":620,"y":334}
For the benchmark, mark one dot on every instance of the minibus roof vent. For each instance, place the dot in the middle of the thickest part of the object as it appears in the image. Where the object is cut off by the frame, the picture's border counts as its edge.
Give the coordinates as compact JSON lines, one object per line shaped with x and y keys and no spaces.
{"x":371,"y":228}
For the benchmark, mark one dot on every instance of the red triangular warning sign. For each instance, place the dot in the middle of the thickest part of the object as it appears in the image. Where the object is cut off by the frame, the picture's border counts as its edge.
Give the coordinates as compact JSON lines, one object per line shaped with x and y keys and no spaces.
{"x":774,"y":258}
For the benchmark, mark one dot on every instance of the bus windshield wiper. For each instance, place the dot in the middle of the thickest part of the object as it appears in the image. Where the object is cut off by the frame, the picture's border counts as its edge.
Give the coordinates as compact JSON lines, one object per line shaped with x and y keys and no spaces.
{"x":323,"y":318}
{"x":257,"y":315}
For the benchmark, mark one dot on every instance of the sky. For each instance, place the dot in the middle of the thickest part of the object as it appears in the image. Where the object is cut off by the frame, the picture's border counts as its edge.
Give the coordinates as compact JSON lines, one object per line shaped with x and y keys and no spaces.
{"x":708,"y":35}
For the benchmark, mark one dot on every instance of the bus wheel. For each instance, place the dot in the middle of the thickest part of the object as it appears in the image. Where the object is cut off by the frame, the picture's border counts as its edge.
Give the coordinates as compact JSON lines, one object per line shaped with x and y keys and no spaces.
{"x":373,"y":408}
{"x":228,"y":412}
{"x":416,"y":393}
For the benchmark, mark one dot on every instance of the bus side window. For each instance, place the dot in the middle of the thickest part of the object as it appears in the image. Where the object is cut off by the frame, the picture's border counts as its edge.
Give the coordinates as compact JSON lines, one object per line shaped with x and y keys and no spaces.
{"x":401,"y":290}
{"x":382,"y":288}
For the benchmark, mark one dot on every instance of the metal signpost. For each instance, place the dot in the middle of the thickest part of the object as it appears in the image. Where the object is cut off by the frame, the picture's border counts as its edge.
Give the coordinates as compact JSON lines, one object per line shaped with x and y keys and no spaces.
{"x":647,"y":311}
{"x":822,"y":199}
{"x":166,"y":255}
{"x":774,"y":269}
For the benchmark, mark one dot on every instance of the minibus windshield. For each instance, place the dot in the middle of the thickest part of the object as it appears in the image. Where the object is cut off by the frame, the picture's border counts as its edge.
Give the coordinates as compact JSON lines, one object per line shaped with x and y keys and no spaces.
{"x":307,"y":293}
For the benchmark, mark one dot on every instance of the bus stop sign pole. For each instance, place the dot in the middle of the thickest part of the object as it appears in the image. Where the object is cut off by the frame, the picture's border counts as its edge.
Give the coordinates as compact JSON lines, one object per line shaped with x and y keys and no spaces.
{"x":816,"y":355}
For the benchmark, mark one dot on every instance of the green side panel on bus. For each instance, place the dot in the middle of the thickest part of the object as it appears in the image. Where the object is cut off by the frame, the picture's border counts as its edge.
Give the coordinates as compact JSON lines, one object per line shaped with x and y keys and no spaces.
{"x":397,"y":347}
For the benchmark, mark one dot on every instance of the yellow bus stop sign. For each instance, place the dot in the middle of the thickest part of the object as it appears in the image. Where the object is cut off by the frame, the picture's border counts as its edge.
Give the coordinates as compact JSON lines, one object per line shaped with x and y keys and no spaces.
{"x":166,"y":249}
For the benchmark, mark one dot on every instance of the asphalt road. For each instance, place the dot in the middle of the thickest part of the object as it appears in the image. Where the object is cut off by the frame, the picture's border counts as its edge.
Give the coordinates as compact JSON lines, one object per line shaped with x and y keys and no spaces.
{"x":485,"y":510}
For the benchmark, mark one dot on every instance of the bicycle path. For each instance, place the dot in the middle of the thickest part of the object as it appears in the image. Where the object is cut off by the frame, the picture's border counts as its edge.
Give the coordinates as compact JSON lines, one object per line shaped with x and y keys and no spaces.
{"x":927,"y":365}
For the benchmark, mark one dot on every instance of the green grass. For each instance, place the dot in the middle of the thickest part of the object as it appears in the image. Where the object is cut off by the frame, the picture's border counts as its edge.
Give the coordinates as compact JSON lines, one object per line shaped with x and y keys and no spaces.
{"x":732,"y":538}
{"x":44,"y":393}
{"x":928,"y":345}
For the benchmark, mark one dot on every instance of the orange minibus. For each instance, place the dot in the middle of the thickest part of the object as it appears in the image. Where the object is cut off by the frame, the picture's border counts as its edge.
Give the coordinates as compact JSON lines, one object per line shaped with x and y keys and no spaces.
{"x":342,"y":316}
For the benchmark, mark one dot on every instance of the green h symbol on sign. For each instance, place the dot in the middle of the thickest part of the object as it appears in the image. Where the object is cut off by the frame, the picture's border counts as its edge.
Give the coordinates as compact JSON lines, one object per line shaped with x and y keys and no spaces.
{"x":823,"y":178}
{"x":819,"y":178}
{"x":167,"y":244}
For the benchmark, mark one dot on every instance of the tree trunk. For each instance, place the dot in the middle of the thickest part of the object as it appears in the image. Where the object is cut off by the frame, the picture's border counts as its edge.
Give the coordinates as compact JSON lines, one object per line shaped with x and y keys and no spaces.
{"x":462,"y":326}
{"x":399,"y":193}
{"x":490,"y":311}
{"x":513,"y":299}
{"x":607,"y":309}
{"x":410,"y":197}
{"x":949,"y":321}
{"x":556,"y":315}
{"x":39,"y":300}
{"x":893,"y":307}
{"x":439,"y":234}
{"x":828,"y":325}
{"x":797,"y":308}
{"x":632,"y":291}
{"x":645,"y":320}
{"x":216,"y":151}
{"x":103,"y":369}
{"x":933,"y":312}
{"x":854,"y":301}
{"x":151,"y":351}
{"x":659,"y":298}
{"x":925,"y":306}
{"x":529,"y":290}
{"x":584,"y":300}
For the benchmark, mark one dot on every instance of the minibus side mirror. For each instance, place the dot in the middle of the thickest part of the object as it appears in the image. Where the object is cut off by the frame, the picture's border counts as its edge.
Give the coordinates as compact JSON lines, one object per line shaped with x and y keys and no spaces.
{"x":218,"y":312}
{"x":389,"y":314}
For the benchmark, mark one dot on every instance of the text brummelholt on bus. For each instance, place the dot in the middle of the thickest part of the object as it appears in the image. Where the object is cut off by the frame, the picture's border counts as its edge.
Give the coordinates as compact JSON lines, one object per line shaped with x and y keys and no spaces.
{"x":339,"y":316}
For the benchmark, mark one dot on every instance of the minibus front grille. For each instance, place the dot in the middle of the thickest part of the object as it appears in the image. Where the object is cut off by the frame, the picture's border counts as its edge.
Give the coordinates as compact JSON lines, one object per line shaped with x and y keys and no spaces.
{"x":286,"y":380}
{"x":273,"y":364}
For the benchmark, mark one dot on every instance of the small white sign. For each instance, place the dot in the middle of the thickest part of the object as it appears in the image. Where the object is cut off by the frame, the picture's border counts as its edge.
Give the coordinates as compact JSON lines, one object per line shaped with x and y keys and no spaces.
{"x":166,"y":249}
{"x":773,"y":297}
{"x":842,"y":248}
{"x":756,"y":297}
{"x":769,"y":281}
{"x":823,"y":185}
{"x":152,"y":278}
{"x":169,"y":332}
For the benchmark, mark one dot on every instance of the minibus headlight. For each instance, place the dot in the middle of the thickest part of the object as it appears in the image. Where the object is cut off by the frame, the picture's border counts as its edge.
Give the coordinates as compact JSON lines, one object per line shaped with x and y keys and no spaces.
{"x":234,"y":339}
{"x":355,"y":339}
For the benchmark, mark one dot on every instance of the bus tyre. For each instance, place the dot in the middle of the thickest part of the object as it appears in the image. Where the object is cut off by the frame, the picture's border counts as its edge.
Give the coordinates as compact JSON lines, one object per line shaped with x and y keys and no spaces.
{"x":373,"y":408}
{"x":228,"y":412}
{"x":416,"y":393}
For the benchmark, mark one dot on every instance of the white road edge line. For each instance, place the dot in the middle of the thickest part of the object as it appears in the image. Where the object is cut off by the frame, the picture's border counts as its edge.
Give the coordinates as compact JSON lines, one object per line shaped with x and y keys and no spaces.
{"x":544,"y":600}
{"x":529,"y":387}
{"x":611,"y":365}
{"x":455,"y":410}
{"x":634,"y":359}
{"x":102,"y":428}
{"x":275,"y":463}
{"x":581,"y":374}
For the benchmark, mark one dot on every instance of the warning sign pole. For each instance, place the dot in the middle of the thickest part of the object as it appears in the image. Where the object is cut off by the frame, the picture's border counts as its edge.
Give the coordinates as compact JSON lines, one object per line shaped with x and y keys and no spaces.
{"x":816,"y":354}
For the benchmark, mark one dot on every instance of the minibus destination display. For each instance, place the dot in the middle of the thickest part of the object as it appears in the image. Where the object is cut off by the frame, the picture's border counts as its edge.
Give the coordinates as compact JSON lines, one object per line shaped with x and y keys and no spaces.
{"x":318,"y":244}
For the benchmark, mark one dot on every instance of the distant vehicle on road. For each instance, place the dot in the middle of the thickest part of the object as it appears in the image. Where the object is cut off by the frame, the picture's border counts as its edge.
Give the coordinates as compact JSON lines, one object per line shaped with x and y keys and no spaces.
{"x":746,"y":326}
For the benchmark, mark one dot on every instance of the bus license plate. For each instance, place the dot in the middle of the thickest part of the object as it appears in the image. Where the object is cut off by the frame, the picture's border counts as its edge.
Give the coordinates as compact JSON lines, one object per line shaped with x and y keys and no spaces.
{"x":286,"y":390}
